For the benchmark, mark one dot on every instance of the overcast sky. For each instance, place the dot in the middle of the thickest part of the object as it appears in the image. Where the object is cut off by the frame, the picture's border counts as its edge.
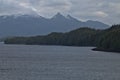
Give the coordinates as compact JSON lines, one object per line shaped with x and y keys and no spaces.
{"x":107,"y":11}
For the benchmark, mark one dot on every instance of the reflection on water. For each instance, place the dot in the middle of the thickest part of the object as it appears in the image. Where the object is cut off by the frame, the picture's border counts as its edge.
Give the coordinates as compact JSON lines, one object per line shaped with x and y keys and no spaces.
{"x":22,"y":62}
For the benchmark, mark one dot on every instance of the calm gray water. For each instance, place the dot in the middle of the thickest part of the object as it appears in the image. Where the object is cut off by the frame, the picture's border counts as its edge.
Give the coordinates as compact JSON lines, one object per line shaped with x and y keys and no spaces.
{"x":22,"y":62}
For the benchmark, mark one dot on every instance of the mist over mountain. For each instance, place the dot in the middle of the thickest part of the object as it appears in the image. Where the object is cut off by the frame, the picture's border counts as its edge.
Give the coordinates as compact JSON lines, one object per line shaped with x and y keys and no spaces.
{"x":27,"y":25}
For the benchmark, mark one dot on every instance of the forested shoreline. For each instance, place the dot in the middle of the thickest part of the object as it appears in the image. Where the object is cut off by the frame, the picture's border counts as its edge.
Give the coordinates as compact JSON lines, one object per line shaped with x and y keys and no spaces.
{"x":103,"y":40}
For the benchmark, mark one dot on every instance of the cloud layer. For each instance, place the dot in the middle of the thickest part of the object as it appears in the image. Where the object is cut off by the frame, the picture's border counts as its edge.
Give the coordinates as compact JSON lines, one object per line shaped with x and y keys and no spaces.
{"x":107,"y":11}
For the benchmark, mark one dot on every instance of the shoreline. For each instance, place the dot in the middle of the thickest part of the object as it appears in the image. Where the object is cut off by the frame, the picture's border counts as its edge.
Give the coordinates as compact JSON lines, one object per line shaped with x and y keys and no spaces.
{"x":94,"y":49}
{"x":106,"y":50}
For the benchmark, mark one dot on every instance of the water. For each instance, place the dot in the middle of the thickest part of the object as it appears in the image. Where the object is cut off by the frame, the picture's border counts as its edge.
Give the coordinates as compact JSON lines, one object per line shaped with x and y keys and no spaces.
{"x":22,"y":62}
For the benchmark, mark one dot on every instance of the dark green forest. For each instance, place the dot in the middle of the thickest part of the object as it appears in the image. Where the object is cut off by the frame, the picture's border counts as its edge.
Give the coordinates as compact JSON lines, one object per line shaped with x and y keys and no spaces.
{"x":104,"y":40}
{"x":109,"y":40}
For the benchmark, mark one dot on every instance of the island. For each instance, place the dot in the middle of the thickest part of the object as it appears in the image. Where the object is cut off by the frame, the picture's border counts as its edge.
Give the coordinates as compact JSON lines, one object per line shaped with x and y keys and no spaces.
{"x":104,"y":40}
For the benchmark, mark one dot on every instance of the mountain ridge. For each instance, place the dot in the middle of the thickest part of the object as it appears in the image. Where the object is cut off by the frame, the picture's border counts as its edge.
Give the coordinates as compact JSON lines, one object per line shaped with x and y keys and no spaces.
{"x":27,"y":25}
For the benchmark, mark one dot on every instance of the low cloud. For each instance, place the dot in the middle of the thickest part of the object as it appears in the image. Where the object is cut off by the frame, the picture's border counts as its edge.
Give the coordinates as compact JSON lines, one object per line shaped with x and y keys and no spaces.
{"x":100,"y":14}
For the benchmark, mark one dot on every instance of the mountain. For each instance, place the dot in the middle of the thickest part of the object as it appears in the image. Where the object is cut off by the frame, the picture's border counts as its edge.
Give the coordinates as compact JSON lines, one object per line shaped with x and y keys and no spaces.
{"x":27,"y":25}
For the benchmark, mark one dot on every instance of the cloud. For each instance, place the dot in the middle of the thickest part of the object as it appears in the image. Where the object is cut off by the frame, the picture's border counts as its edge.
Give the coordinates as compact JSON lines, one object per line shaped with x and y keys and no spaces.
{"x":51,"y":7}
{"x":11,"y":7}
{"x":107,"y":11}
{"x":103,"y":10}
{"x":100,"y":14}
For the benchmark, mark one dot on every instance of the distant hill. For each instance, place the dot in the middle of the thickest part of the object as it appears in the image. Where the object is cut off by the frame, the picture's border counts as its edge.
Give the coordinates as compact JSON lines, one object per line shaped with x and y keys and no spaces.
{"x":104,"y":40}
{"x":79,"y":37}
{"x":27,"y":25}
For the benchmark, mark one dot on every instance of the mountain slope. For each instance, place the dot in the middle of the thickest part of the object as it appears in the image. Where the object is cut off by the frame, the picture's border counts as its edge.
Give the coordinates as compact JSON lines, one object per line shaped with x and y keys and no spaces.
{"x":26,"y":25}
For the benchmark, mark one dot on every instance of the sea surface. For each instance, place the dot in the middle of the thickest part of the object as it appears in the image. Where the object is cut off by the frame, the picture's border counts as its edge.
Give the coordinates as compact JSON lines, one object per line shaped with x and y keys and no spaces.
{"x":35,"y":62}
